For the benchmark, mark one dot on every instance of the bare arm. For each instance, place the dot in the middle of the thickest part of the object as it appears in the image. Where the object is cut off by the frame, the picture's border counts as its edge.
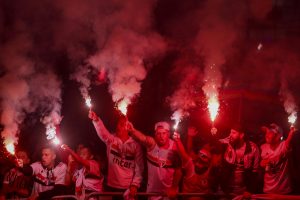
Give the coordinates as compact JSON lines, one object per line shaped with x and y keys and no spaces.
{"x":182,"y":153}
{"x":191,"y":134}
{"x":290,"y":137}
{"x":77,"y":158}
{"x":147,"y":141}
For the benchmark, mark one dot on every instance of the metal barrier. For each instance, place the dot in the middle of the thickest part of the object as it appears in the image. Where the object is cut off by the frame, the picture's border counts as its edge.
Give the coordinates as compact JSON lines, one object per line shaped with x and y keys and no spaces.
{"x":65,"y":197}
{"x":145,"y":194}
{"x":98,"y":195}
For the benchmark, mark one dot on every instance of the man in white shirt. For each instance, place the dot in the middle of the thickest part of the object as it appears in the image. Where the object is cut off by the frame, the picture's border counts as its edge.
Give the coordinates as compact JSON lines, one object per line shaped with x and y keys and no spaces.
{"x":87,"y":175}
{"x":125,"y":157}
{"x":49,"y":176}
{"x":163,"y":160}
{"x":274,"y":154}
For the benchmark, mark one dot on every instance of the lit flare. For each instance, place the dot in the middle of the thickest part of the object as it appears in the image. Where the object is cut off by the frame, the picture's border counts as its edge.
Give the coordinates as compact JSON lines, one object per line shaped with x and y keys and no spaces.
{"x":122,"y":106}
{"x":213,"y":107}
{"x":51,"y":134}
{"x":88,"y":102}
{"x":292,"y":118}
{"x":10,"y":147}
{"x":177,"y":115}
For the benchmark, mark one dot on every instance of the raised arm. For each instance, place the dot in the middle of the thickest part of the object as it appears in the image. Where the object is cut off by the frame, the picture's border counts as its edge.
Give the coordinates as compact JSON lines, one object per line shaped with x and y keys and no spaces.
{"x":101,"y":130}
{"x":290,"y":137}
{"x":147,"y":141}
{"x":191,"y":134}
{"x":76,"y":157}
{"x":182,"y":153}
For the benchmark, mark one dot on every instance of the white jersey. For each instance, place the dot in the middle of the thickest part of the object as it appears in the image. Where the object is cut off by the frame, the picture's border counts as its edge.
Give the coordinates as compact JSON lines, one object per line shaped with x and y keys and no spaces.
{"x":161,"y":167}
{"x":276,"y":179}
{"x":45,"y":179}
{"x":88,"y":180}
{"x":125,"y":160}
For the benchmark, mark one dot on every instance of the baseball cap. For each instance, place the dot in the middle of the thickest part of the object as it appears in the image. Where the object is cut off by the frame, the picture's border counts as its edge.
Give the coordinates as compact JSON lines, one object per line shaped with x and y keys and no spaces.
{"x":274,"y":128}
{"x":162,"y":125}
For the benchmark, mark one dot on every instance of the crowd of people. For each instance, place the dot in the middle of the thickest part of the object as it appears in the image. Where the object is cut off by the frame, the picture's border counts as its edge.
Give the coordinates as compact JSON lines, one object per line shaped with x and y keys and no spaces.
{"x":222,"y":169}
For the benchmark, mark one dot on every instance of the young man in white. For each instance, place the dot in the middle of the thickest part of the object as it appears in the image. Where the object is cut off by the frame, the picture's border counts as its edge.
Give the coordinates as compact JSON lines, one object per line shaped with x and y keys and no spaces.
{"x":125,"y":157}
{"x":49,"y":176}
{"x":87,"y":176}
{"x":163,"y":160}
{"x":274,"y":154}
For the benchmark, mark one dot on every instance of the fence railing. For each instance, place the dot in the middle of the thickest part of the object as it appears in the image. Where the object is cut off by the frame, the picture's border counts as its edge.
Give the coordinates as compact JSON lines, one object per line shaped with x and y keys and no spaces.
{"x":98,"y":195}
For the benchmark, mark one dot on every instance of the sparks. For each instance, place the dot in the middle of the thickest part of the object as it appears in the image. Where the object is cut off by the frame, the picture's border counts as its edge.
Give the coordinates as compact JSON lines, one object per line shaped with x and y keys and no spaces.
{"x":213,"y":107}
{"x":292,"y":118}
{"x":122,"y":106}
{"x":10,"y":147}
{"x":88,"y":102}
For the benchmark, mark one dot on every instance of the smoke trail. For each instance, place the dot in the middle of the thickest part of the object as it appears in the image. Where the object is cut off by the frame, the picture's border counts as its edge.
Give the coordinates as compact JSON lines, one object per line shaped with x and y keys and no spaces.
{"x":81,"y":76}
{"x":47,"y":95}
{"x":186,"y":96}
{"x":24,"y":86}
{"x":127,"y":48}
{"x":14,"y":89}
{"x":288,"y":100}
{"x":220,"y":25}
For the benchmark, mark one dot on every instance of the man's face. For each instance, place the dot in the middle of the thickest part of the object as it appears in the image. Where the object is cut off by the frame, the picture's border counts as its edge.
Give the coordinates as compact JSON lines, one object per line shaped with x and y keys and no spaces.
{"x":84,"y":153}
{"x":48,"y":157}
{"x":161,"y":136}
{"x":271,"y":137}
{"x":201,"y":163}
{"x":234,"y":136}
{"x":23,"y":156}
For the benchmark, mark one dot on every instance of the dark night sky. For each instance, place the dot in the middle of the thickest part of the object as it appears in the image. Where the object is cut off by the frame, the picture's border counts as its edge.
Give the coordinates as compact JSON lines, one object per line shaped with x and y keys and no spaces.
{"x":174,"y":40}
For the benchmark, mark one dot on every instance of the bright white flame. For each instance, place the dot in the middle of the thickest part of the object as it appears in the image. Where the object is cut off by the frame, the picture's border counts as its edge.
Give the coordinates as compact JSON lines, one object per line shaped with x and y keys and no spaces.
{"x":50,"y":131}
{"x":213,"y":107}
{"x":259,"y":47}
{"x":176,"y":124}
{"x":56,"y":141}
{"x":177,"y":116}
{"x":292,"y":118}
{"x":10,"y":147}
{"x":88,"y":102}
{"x":122,"y":106}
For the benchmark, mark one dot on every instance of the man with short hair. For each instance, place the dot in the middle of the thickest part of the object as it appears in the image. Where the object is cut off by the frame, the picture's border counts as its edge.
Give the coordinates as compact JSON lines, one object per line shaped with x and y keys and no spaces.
{"x":163,"y":160}
{"x":125,"y":157}
{"x":15,"y":184}
{"x":87,"y":175}
{"x":274,"y":154}
{"x":49,"y":176}
{"x":241,"y":162}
